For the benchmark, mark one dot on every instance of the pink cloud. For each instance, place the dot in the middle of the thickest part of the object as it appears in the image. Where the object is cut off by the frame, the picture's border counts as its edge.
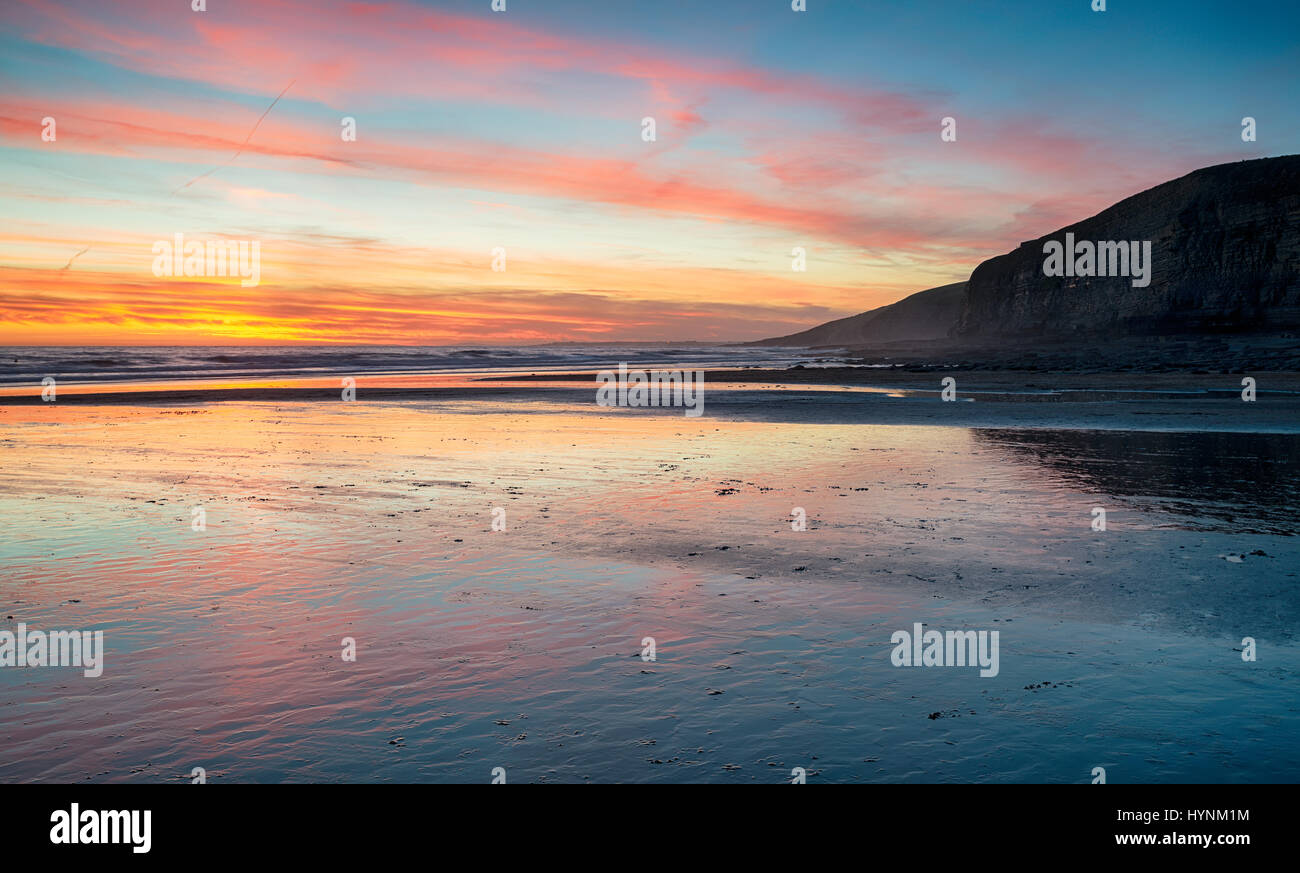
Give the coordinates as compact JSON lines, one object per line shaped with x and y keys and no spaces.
{"x":216,"y":135}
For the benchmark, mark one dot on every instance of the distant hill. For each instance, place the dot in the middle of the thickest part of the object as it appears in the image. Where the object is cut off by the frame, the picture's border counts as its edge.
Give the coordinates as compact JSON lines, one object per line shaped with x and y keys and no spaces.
{"x":925,"y":315}
{"x":1225,"y":257}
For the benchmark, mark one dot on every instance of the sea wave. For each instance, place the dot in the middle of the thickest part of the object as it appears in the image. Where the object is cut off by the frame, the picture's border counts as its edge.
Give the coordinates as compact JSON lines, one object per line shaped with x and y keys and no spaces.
{"x":30,"y":364}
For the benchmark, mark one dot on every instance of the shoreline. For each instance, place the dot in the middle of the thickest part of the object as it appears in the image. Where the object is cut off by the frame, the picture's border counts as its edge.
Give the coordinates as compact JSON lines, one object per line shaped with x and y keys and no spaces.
{"x":1171,"y":402}
{"x":975,"y":380}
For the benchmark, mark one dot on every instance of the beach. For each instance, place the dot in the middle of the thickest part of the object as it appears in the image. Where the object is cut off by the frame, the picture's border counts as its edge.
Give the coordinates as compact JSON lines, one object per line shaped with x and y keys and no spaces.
{"x":499,"y":548}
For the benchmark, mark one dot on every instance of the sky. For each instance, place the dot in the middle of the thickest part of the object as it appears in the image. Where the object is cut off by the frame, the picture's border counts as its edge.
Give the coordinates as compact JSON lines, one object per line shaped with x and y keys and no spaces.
{"x":517,"y":140}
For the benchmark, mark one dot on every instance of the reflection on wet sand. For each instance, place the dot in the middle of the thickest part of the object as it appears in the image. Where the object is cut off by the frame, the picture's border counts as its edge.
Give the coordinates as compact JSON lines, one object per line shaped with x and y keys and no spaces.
{"x":1242,"y":481}
{"x":519,"y":648}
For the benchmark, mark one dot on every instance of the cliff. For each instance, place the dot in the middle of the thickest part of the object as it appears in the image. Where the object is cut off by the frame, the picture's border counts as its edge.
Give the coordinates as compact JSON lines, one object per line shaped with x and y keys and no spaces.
{"x":1225,"y":255}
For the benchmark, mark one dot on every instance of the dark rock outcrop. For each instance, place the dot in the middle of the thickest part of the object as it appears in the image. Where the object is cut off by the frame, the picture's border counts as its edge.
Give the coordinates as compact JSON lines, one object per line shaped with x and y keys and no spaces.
{"x":1225,"y":244}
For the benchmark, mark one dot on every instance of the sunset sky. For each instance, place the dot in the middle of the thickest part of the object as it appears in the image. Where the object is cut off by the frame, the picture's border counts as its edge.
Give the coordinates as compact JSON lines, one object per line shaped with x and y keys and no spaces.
{"x":523,"y":130}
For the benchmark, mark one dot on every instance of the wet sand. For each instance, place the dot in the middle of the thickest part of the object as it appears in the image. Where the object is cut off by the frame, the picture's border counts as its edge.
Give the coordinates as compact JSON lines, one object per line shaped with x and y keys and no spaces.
{"x":521,"y":648}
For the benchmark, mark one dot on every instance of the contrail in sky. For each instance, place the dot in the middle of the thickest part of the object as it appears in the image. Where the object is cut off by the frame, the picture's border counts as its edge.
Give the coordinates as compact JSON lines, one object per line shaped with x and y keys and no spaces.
{"x":241,"y":147}
{"x":73,"y":258}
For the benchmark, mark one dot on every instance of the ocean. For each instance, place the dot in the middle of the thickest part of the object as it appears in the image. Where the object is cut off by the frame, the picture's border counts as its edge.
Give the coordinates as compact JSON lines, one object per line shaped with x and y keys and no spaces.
{"x":30,"y":364}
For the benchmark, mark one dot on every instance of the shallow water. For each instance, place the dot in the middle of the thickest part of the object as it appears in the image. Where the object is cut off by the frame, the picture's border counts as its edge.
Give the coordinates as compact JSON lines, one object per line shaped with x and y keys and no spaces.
{"x":374,"y":521}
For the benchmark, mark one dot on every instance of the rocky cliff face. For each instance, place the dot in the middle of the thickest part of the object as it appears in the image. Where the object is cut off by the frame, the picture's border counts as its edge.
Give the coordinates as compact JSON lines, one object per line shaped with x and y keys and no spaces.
{"x":1225,"y":255}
